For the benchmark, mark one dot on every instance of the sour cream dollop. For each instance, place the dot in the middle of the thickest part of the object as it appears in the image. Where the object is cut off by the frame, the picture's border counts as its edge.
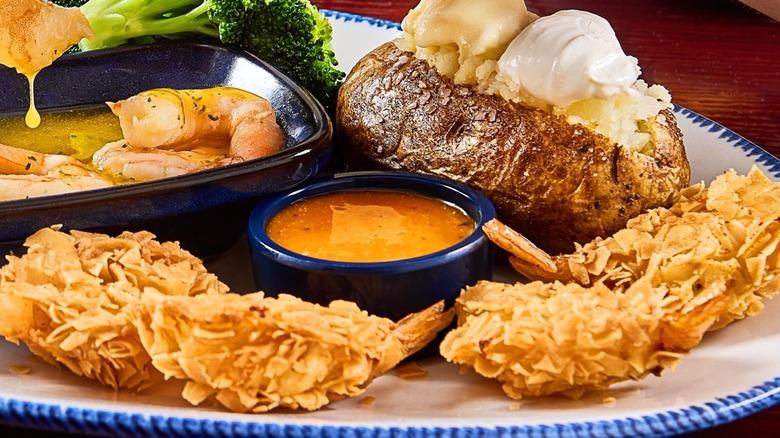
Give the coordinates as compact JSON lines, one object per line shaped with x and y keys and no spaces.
{"x":568,"y":56}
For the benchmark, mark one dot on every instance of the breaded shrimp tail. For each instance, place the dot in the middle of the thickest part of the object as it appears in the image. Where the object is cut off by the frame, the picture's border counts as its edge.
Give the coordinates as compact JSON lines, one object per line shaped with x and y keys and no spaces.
{"x":67,"y":298}
{"x":256,"y":353}
{"x":554,"y":338}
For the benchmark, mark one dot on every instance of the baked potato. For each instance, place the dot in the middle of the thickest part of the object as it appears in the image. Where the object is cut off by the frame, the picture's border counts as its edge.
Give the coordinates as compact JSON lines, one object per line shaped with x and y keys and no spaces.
{"x":553,"y":181}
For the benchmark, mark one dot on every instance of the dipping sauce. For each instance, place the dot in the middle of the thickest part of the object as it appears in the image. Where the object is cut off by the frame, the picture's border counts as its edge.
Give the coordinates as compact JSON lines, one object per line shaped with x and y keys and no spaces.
{"x":369,"y":226}
{"x":77,"y":133}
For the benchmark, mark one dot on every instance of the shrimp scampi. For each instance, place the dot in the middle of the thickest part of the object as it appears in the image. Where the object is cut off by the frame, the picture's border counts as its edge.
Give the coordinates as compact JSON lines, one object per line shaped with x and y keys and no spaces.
{"x":166,"y":133}
{"x":188,"y":130}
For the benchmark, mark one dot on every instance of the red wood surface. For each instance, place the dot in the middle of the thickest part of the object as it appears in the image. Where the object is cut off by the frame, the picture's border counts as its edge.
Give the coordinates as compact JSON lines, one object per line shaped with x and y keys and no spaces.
{"x":717,"y":58}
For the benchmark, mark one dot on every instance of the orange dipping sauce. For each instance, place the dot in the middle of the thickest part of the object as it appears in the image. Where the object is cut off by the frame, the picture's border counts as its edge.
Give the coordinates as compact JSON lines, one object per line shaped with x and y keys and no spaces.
{"x":369,"y":226}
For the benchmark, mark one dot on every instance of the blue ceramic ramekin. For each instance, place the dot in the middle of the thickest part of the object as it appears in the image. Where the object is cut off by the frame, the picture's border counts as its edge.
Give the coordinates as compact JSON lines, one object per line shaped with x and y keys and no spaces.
{"x":390,"y":289}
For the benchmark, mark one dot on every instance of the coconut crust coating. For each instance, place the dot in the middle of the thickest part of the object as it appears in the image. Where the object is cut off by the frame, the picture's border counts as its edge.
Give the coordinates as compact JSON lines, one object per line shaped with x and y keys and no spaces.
{"x":729,"y":230}
{"x":256,"y":353}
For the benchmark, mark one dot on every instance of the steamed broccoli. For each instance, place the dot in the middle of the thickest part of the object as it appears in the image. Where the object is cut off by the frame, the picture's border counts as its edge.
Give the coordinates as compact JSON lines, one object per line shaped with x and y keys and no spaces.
{"x":292,"y":35}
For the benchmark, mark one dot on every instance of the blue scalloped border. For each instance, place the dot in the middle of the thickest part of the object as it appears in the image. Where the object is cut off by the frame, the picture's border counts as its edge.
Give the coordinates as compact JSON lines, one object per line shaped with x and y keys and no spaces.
{"x":96,"y":422}
{"x":723,"y":410}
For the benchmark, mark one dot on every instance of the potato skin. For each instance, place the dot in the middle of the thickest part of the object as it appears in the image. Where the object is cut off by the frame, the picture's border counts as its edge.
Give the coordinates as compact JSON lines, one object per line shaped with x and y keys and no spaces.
{"x":554,"y":182}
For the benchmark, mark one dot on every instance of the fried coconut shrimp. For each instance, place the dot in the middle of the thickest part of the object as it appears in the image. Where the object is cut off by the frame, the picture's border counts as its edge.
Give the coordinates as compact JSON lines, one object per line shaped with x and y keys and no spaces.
{"x":554,"y":338}
{"x":256,"y":353}
{"x":628,"y":305}
{"x":69,"y":298}
{"x":729,"y":231}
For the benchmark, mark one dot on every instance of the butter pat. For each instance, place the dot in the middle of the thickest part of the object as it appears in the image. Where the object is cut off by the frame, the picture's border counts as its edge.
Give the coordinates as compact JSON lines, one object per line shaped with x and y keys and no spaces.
{"x":458,"y":36}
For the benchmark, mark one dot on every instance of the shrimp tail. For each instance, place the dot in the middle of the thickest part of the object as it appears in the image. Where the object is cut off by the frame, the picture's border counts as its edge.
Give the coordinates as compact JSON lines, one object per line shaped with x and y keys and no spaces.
{"x":414,"y":332}
{"x":683,"y":329}
{"x":526,"y":258}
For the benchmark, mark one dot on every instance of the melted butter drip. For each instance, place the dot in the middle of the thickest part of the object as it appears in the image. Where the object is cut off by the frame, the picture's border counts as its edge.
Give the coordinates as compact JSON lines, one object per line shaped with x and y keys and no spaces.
{"x":33,"y":117}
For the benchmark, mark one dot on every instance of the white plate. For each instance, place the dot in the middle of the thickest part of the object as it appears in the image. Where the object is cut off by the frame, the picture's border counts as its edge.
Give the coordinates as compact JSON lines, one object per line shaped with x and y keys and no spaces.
{"x":733,"y":373}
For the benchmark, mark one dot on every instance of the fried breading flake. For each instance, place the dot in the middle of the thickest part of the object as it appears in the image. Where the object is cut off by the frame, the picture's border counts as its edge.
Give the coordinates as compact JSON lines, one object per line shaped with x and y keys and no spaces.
{"x":69,"y":295}
{"x":410,"y":370}
{"x":20,"y":370}
{"x":255,"y":353}
{"x":728,"y":231}
{"x":554,"y":338}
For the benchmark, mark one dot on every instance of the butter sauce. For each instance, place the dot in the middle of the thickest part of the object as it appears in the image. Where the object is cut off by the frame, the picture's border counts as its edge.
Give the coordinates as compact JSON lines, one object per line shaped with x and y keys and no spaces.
{"x":369,"y":226}
{"x":77,"y":132}
{"x":33,"y":117}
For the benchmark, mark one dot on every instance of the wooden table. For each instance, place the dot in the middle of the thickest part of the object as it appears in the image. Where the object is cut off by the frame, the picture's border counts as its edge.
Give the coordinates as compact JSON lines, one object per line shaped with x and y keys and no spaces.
{"x":717,"y":57}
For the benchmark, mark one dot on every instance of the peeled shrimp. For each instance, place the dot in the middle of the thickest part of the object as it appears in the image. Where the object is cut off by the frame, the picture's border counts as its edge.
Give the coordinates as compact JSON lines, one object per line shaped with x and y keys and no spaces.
{"x":125,"y":163}
{"x":34,"y":33}
{"x":628,"y":305}
{"x":28,"y":174}
{"x":160,"y":121}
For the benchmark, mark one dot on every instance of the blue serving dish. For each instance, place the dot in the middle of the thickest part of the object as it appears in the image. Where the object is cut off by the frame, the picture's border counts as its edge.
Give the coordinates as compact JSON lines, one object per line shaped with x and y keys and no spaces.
{"x":205,"y":211}
{"x":390,"y":289}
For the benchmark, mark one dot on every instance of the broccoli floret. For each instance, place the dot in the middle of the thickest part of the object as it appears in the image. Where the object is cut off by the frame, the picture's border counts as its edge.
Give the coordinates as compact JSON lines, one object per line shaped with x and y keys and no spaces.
{"x":292,"y":35}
